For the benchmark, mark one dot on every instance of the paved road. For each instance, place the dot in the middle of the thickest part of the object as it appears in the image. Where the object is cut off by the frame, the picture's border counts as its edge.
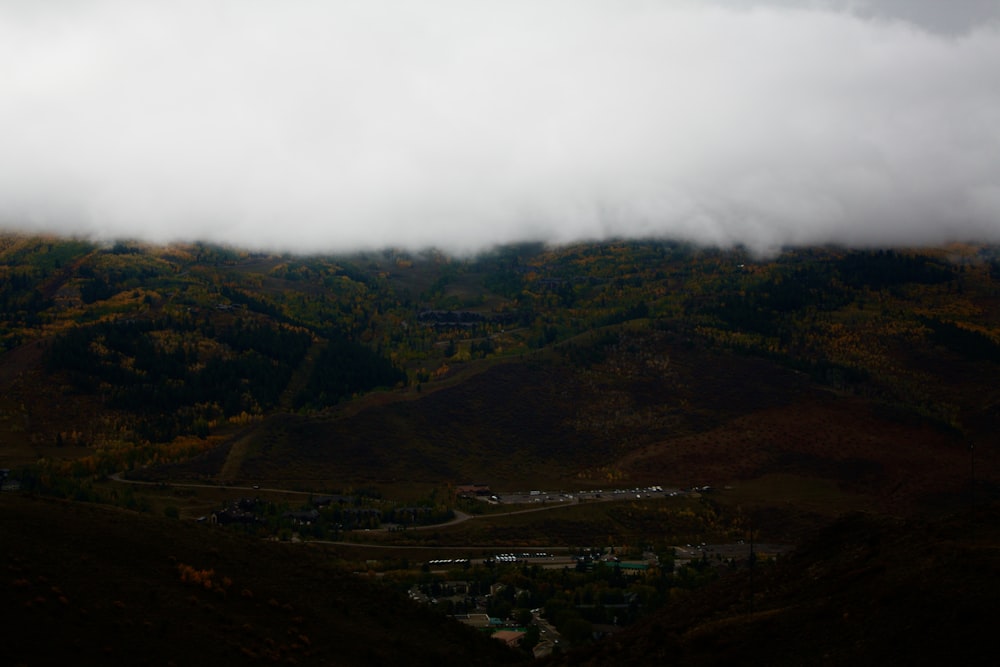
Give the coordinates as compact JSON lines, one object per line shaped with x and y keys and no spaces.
{"x":117,"y":477}
{"x":548,"y":636}
{"x":547,"y":500}
{"x":561,"y":560}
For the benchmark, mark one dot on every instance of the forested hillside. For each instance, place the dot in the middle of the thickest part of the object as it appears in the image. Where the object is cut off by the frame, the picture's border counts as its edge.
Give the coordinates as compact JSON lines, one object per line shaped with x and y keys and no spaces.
{"x":126,"y":346}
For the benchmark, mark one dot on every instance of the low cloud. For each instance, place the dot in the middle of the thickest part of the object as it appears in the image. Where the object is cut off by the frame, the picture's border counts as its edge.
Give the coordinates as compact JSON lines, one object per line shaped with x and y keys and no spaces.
{"x":335,"y":126}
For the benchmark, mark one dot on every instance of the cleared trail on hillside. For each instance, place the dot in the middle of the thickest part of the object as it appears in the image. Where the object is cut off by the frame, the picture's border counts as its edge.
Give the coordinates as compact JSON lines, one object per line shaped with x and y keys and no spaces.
{"x":237,"y":454}
{"x":241,"y":444}
{"x":301,"y":376}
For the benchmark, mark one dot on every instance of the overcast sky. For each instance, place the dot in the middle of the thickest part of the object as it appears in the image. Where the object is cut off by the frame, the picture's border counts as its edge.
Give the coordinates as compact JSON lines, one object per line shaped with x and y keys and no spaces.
{"x":333,"y":126}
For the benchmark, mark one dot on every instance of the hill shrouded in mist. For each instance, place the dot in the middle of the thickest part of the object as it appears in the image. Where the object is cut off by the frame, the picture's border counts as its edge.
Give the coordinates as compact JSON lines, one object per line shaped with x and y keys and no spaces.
{"x":171,"y":381}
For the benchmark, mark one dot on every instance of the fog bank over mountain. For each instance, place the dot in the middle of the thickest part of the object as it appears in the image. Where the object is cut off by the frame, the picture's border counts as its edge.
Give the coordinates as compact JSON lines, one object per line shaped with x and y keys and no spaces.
{"x":336,"y":126}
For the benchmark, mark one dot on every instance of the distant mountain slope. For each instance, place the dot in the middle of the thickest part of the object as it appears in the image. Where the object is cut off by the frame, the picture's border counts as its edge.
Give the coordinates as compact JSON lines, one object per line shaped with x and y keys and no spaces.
{"x":545,"y":417}
{"x":651,"y":407}
{"x":589,"y":364}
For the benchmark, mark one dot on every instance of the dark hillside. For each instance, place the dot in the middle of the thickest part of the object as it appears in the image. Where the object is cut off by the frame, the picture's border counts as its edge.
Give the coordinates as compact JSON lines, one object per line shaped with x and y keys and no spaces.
{"x":636,"y":405}
{"x":868,"y":590}
{"x":498,"y":423}
{"x":546,"y":417}
{"x":86,"y":585}
{"x":891,"y":460}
